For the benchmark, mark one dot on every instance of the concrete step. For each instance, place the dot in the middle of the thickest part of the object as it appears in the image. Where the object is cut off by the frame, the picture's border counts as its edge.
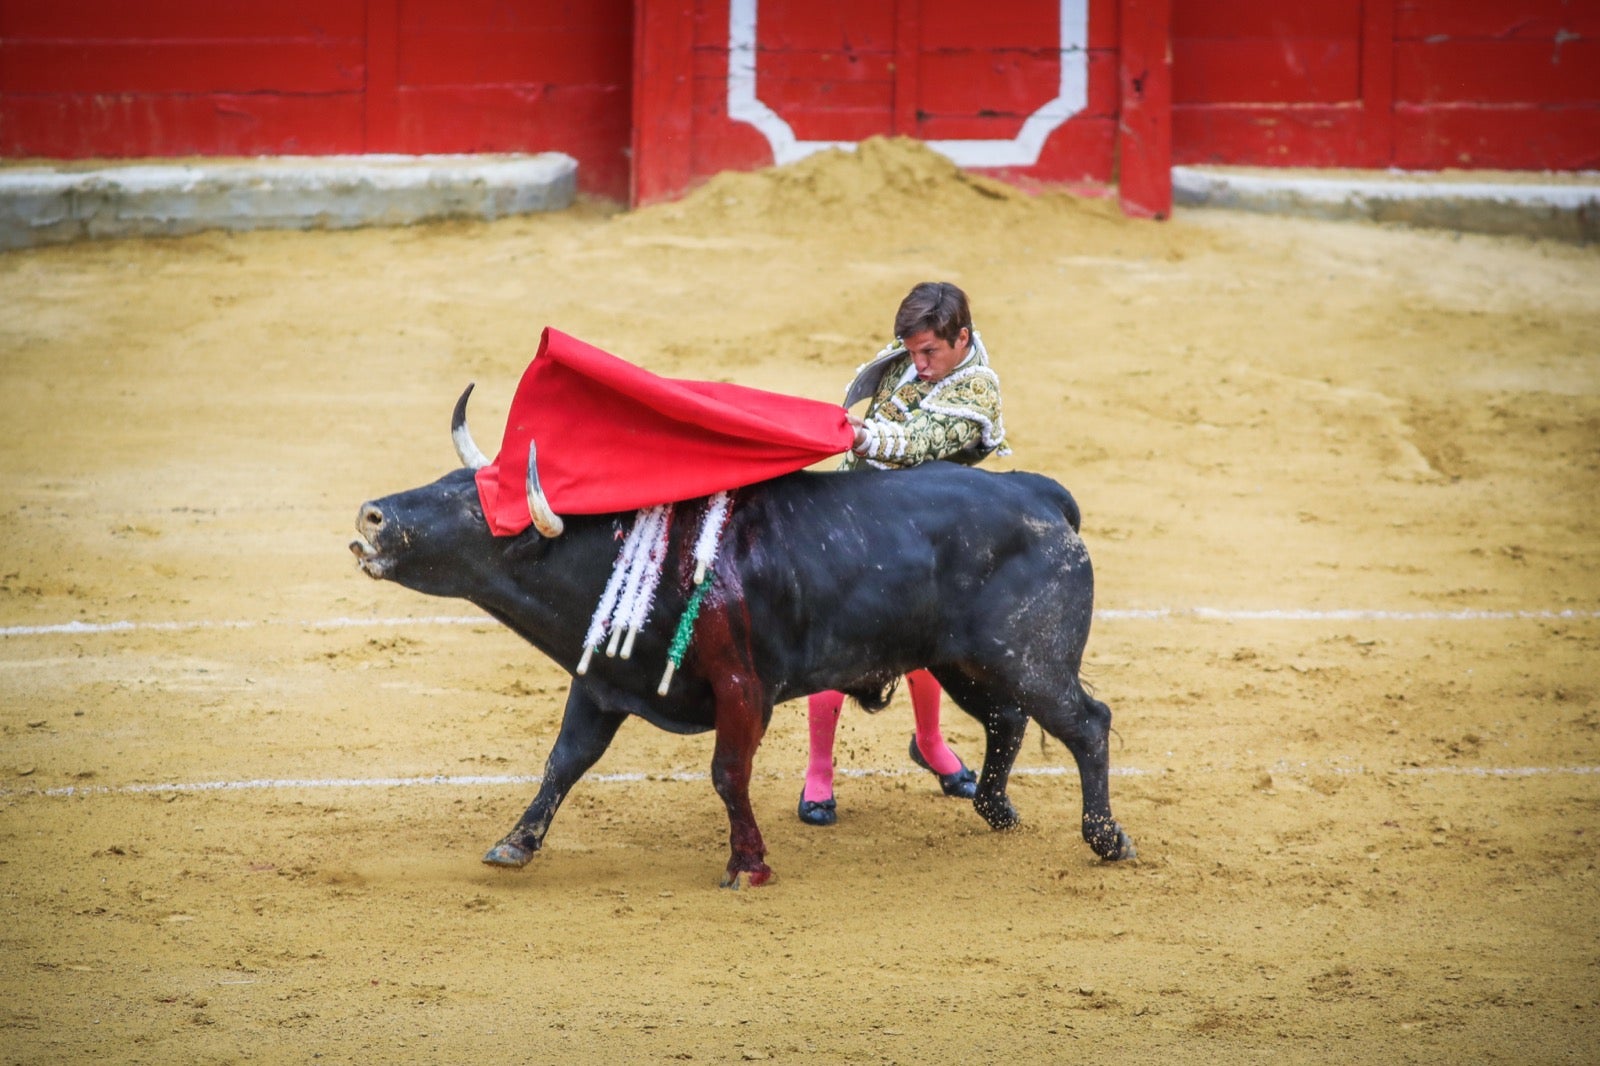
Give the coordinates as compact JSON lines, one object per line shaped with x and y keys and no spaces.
{"x":53,"y":202}
{"x":1564,"y":205}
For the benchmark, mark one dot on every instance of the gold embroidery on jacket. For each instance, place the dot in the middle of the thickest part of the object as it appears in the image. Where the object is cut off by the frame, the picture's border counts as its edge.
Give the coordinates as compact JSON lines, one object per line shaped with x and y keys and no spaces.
{"x":911,"y":422}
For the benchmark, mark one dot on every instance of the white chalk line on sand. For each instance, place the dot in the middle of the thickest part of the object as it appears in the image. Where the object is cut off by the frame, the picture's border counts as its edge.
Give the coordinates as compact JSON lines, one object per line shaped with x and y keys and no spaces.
{"x":442,"y":780}
{"x":1222,"y":614}
{"x":91,"y":628}
{"x":1215,"y":614}
{"x":291,"y":784}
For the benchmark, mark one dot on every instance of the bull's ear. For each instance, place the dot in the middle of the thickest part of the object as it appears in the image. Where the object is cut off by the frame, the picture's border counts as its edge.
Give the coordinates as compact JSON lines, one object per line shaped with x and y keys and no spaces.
{"x":529,"y":546}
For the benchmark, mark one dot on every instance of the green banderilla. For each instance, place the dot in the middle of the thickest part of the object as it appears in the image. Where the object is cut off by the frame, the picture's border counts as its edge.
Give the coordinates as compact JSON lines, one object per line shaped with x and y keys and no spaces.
{"x":680,"y":639}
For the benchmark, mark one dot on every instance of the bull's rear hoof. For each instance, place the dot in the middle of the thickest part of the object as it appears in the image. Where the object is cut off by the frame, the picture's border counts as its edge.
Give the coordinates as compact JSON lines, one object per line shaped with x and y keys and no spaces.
{"x":736,"y":879}
{"x":507,"y":856}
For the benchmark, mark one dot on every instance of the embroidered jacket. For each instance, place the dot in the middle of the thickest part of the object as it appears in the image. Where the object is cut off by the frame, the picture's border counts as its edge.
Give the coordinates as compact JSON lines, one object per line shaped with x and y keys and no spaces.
{"x":911,"y":421}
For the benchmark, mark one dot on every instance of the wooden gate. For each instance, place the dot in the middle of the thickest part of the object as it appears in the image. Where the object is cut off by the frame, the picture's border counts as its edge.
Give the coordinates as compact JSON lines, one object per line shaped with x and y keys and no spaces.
{"x":1029,"y":92}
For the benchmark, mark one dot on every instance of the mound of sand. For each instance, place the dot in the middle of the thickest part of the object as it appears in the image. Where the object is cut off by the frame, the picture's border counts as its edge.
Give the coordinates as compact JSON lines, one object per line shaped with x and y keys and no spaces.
{"x":887,"y":189}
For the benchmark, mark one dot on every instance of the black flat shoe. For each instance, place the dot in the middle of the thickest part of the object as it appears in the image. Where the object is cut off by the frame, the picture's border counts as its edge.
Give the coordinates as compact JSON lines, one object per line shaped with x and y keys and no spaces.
{"x":963,"y":784}
{"x":818,"y":812}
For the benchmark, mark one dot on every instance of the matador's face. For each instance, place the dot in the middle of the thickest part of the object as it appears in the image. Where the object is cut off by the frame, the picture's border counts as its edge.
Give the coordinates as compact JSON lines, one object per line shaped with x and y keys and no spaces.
{"x":934,"y":356}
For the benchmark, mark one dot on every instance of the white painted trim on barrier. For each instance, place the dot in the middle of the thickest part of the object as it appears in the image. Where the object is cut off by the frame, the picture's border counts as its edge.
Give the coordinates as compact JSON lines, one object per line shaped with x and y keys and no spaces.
{"x":1209,"y":614}
{"x":499,"y":780}
{"x":1072,"y":95}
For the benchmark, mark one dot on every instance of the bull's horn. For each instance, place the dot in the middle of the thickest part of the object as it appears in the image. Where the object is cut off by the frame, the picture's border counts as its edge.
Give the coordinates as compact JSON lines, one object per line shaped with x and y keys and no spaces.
{"x":546,"y":521}
{"x":462,"y":436}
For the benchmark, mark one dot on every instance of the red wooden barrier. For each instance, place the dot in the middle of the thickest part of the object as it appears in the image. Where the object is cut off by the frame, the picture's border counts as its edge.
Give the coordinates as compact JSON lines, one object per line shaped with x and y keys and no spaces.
{"x":106,"y":78}
{"x":653,"y":95}
{"x":1417,"y":84}
{"x":113,"y":78}
{"x":1497,"y":84}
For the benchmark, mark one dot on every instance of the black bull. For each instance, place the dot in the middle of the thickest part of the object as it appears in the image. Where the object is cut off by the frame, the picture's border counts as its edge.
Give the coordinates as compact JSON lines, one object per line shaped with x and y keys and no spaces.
{"x":824,"y":581}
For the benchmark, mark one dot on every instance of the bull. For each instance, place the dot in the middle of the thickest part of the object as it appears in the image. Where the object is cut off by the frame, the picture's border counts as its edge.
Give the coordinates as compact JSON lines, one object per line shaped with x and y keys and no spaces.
{"x":838,"y":580}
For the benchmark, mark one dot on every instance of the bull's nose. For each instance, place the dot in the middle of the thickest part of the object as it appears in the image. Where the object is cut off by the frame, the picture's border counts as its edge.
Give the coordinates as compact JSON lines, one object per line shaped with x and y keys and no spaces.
{"x":369,"y":519}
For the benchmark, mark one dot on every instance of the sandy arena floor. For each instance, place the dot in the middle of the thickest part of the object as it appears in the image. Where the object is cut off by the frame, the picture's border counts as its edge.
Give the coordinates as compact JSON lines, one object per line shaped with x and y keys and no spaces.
{"x":1339,"y":482}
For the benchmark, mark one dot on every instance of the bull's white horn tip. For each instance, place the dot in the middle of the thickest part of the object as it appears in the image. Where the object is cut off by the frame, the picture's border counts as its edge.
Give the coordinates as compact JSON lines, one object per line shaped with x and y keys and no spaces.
{"x":545,"y":520}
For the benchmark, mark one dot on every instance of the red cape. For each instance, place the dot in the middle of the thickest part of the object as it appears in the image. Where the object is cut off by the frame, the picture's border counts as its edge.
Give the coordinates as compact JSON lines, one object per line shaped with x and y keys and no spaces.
{"x":614,"y":437}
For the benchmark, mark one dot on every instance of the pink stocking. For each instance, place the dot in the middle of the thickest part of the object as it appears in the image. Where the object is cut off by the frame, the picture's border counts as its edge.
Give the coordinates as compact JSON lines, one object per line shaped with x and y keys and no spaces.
{"x":822,"y":711}
{"x":925,"y":705}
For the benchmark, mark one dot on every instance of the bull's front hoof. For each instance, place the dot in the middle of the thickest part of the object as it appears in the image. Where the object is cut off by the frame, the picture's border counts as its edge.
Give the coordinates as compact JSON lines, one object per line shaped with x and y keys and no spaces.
{"x":736,"y":879}
{"x":1125,"y":849}
{"x":507,"y":856}
{"x":998,"y":812}
{"x":1108,"y":840}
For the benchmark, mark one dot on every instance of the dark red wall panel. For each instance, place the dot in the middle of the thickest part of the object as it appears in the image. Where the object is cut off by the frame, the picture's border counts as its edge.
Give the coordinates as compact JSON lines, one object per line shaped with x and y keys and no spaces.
{"x":1506,"y":139}
{"x":111,"y":20}
{"x":951,"y":23}
{"x":485,"y":54}
{"x":81,"y":78}
{"x":247,"y":66}
{"x":1507,"y":20}
{"x":829,"y":95}
{"x":513,"y":76}
{"x":589,"y":124}
{"x":1010,"y":81}
{"x":1264,"y":20}
{"x":1420,"y":84}
{"x":1000,"y":119}
{"x":1498,"y":72}
{"x":76,"y":127}
{"x":823,"y":26}
{"x":1326,"y":136}
{"x":1289,"y":70}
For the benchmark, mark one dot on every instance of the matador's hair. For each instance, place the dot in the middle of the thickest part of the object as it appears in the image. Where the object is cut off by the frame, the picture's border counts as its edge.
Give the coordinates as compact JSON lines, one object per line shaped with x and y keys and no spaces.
{"x":933,"y":305}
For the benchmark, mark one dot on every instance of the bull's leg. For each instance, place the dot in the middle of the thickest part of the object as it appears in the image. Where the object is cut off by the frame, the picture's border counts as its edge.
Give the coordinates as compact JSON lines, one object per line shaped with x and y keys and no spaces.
{"x":740,"y":725}
{"x":1083,"y":724}
{"x":1003,"y":727}
{"x":743,"y":708}
{"x":586,"y":733}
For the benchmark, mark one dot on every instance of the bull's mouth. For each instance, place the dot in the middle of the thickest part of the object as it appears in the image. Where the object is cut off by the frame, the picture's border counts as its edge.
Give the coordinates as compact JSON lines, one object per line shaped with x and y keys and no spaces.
{"x":372,"y":562}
